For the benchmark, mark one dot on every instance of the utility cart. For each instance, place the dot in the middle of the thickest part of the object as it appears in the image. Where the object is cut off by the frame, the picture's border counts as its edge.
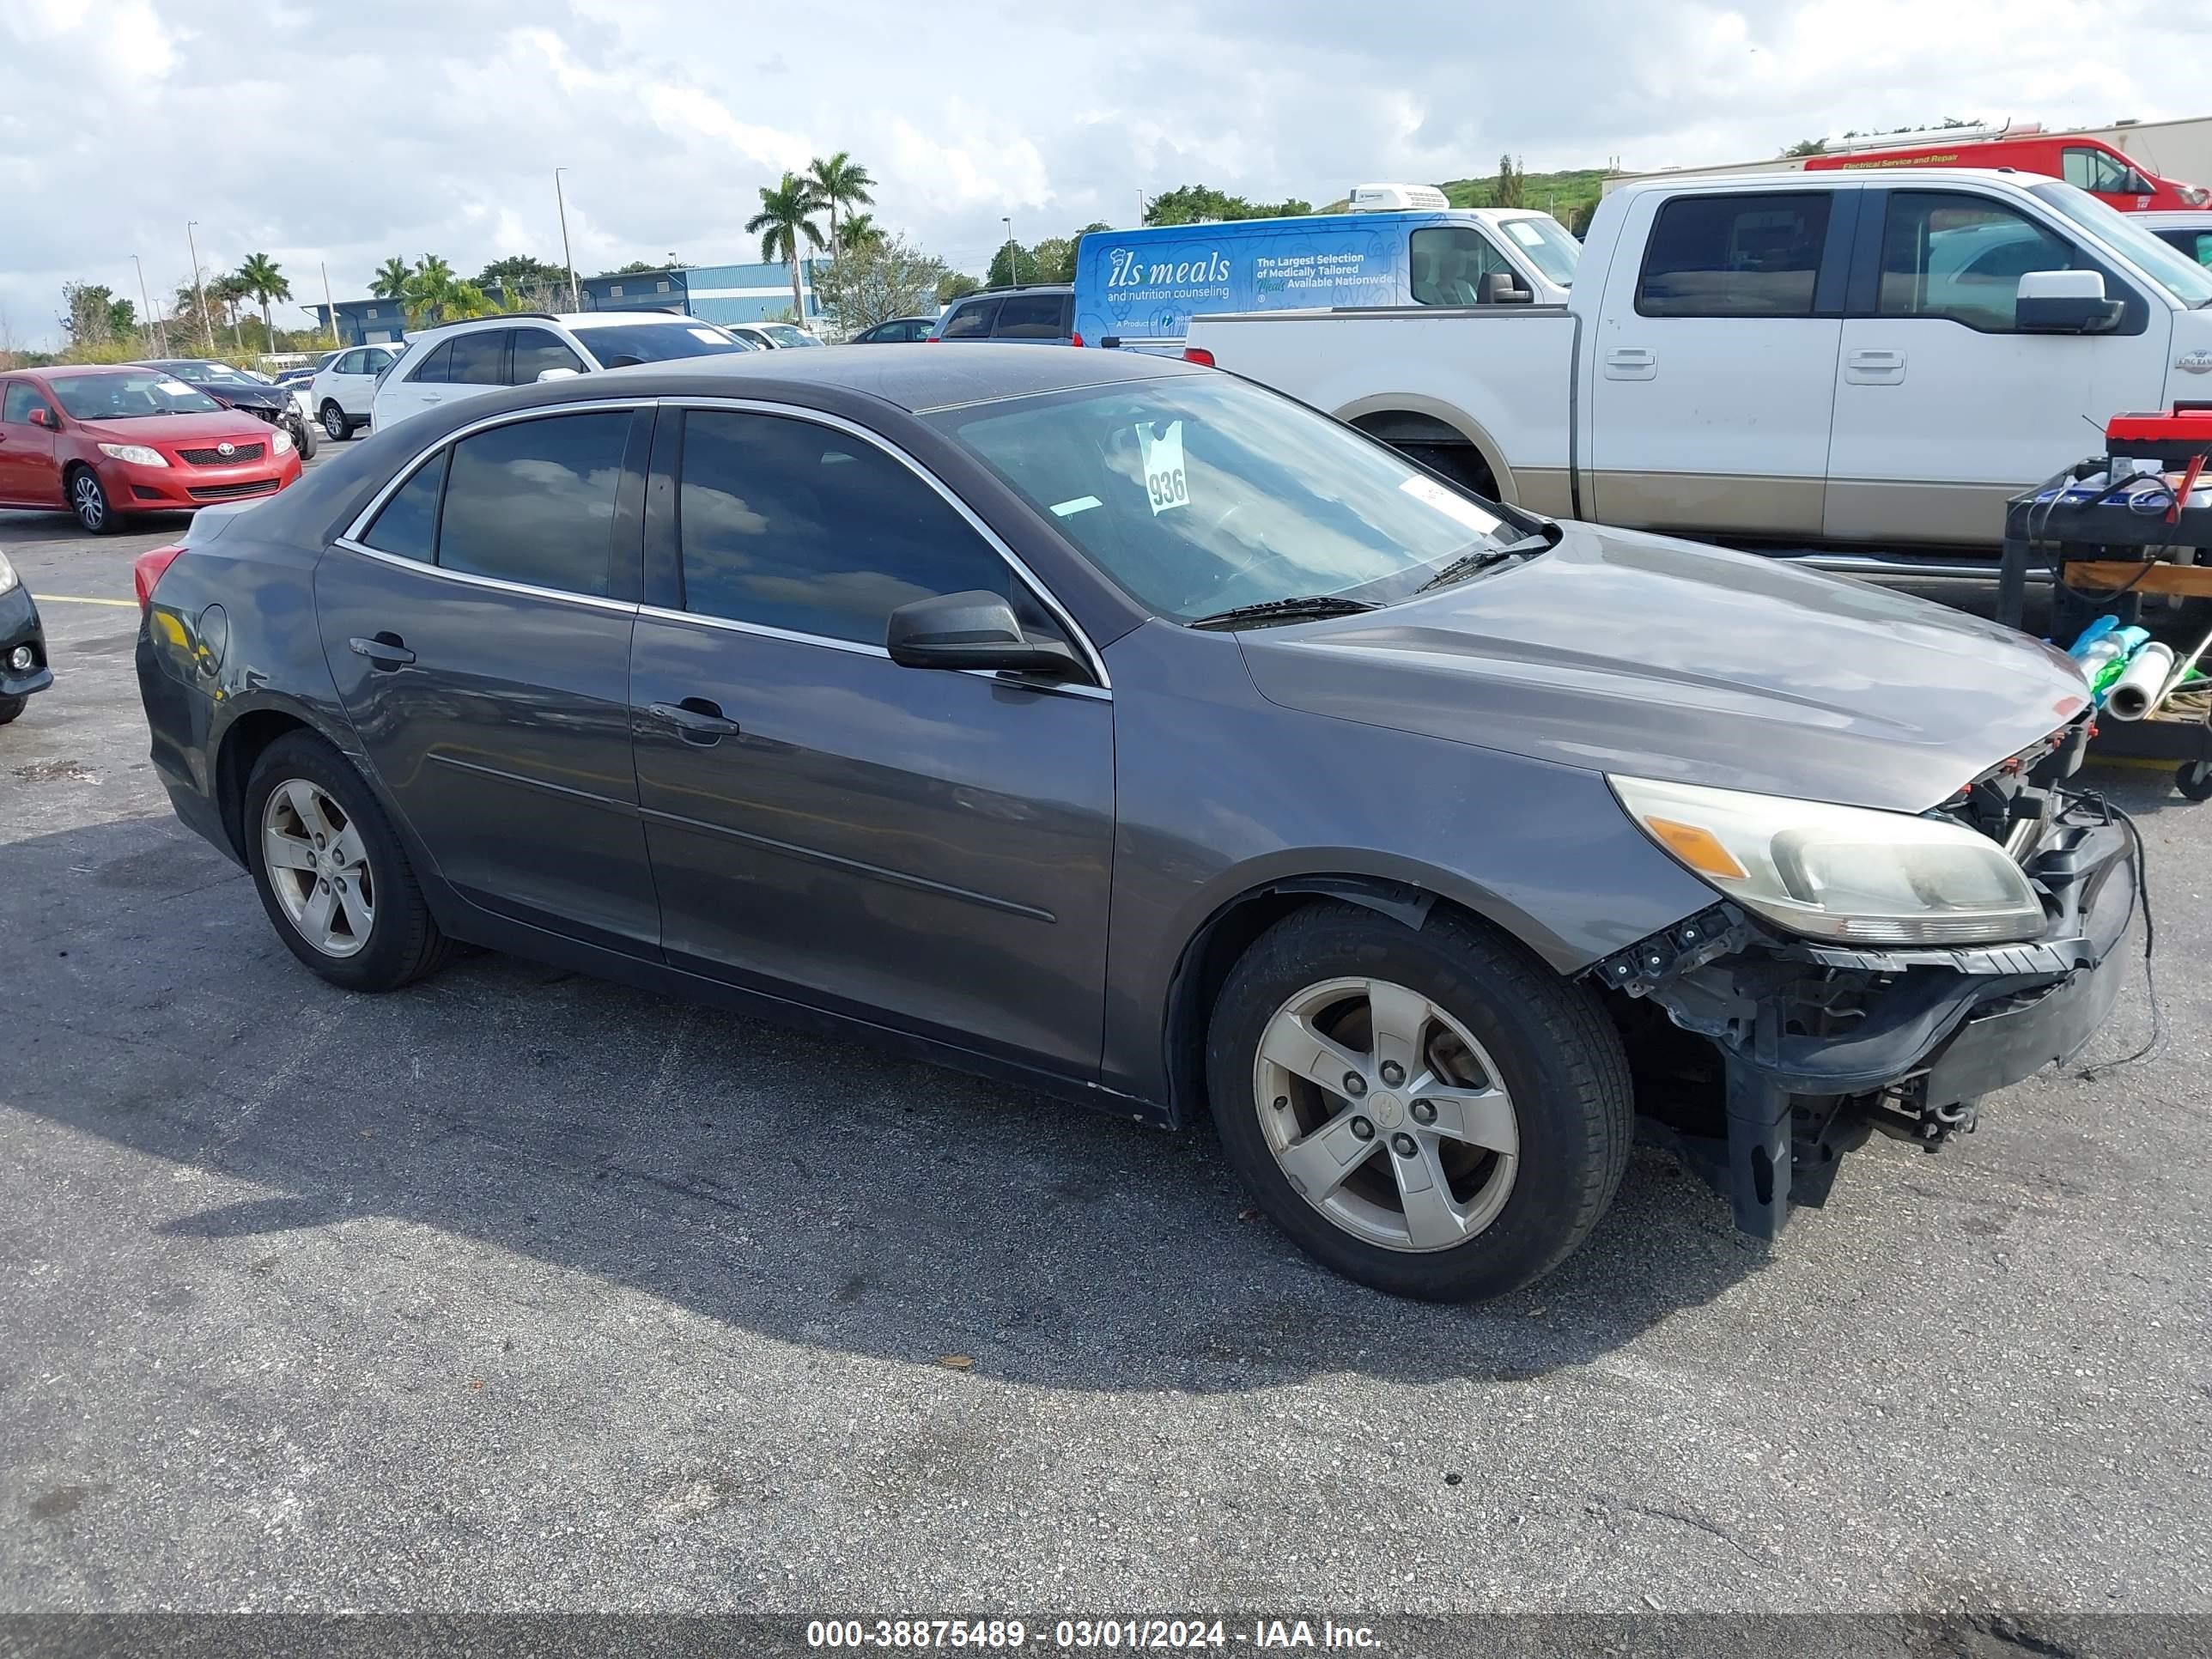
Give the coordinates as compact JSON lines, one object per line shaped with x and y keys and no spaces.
{"x":2108,"y":537}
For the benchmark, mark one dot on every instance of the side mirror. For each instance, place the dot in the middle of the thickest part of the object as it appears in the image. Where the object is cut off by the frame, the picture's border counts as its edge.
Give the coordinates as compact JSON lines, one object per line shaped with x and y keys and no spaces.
{"x":2065,"y":303}
{"x":1502,"y":288}
{"x":975,"y":629}
{"x":41,"y":415}
{"x":546,"y":374}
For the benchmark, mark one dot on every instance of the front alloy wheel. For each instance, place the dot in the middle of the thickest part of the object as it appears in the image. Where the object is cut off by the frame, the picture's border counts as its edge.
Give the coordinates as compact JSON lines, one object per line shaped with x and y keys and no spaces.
{"x":319,"y":868}
{"x":88,"y":501}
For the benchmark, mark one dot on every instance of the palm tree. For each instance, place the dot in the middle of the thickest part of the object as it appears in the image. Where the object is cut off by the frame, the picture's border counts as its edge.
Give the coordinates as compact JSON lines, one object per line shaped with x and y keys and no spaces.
{"x":838,"y":182}
{"x":429,"y":291}
{"x":860,"y":231}
{"x":786,"y":215}
{"x":390,"y":282}
{"x":230,"y":291}
{"x":265,"y":283}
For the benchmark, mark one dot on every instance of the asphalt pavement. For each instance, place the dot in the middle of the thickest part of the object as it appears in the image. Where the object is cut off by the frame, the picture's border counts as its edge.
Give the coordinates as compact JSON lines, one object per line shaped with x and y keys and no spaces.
{"x":518,"y":1290}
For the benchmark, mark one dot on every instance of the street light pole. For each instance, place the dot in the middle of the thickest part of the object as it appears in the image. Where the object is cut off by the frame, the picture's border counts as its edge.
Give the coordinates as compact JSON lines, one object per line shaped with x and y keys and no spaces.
{"x":1013,"y":251}
{"x":161,"y":334}
{"x":207,"y":323}
{"x":575,"y":300}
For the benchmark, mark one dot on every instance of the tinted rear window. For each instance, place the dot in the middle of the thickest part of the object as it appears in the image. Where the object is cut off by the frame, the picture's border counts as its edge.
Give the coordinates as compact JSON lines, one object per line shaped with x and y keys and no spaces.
{"x":408,"y":525}
{"x":1034,"y":316}
{"x":479,"y":359}
{"x":971,"y":322}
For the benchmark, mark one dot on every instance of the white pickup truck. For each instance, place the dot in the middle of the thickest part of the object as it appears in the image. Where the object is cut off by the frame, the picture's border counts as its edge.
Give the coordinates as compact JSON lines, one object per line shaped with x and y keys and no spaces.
{"x":1838,"y":358}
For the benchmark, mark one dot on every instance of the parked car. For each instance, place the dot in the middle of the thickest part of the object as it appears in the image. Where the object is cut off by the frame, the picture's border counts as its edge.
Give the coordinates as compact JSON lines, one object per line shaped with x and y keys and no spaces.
{"x":302,"y":374}
{"x":2190,"y":232}
{"x":1032,"y":316}
{"x":1399,"y":245}
{"x":772,"y":336}
{"x":899,"y":330}
{"x":23,"y":670}
{"x":464,"y":359}
{"x":1134,"y":732}
{"x":1847,"y":358}
{"x":108,"y":442}
{"x":345,"y":387}
{"x":283,"y":406}
{"x":2114,"y":176}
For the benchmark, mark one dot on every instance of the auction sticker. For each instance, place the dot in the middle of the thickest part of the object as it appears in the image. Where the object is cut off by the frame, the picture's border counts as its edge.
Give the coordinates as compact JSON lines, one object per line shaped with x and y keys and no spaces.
{"x":1164,"y":483}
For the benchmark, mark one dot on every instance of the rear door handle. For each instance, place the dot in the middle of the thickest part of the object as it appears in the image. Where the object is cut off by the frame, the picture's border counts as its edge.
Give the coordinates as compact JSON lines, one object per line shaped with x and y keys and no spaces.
{"x":1630,"y":363}
{"x":1873,"y":367}
{"x":695,"y":719}
{"x":384,"y":651}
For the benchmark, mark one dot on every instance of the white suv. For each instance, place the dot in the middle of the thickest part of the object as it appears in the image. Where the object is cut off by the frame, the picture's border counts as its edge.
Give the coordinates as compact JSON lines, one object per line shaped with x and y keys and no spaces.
{"x":340,"y":394}
{"x":462,"y":360}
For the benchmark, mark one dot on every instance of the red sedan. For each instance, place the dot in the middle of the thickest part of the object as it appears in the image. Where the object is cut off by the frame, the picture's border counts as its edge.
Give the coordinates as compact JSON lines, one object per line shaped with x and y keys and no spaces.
{"x":104,"y":442}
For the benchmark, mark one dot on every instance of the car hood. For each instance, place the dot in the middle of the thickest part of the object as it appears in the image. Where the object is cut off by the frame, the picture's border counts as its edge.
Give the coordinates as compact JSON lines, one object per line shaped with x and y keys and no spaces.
{"x":246,"y":396}
{"x":1624,"y":653}
{"x":170,"y":430}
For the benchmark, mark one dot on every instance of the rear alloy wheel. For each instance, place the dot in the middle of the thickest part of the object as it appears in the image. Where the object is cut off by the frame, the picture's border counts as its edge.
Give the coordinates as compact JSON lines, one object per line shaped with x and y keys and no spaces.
{"x":332,"y":872}
{"x":335,"y":424}
{"x":88,"y":501}
{"x":1432,"y":1112}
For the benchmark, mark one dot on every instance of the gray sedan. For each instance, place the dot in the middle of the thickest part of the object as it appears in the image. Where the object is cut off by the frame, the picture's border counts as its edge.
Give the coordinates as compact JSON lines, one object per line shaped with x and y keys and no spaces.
{"x":1123,"y":728}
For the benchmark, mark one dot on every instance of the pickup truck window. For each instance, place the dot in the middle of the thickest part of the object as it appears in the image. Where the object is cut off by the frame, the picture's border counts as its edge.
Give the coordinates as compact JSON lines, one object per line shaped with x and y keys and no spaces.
{"x":1733,"y":256}
{"x":1962,"y":257}
{"x":1448,"y":264}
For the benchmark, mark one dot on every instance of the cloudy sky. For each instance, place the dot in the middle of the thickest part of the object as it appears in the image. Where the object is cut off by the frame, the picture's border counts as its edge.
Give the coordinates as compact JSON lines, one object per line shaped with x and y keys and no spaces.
{"x":331,"y":131}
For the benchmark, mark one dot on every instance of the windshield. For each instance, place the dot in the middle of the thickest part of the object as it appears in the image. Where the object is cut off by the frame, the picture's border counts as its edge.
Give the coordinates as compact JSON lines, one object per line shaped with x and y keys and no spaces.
{"x":654,"y":343}
{"x":1201,"y":493}
{"x":1543,"y":240}
{"x":785,"y":334}
{"x":2174,"y":271}
{"x":127,"y":395}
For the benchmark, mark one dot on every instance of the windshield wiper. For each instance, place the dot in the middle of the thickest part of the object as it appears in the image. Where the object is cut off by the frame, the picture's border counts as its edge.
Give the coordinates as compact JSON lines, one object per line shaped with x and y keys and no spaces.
{"x":1540,"y":541}
{"x":1297,"y":608}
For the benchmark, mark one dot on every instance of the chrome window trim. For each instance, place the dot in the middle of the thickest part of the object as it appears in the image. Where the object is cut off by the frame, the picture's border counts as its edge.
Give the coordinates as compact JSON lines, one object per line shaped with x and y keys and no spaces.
{"x":494,"y":584}
{"x":1043,"y":595}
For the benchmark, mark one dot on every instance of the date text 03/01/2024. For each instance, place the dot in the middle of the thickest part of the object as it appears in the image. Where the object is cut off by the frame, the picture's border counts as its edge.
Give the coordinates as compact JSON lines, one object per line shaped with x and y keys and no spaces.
{"x":1110,"y":1635}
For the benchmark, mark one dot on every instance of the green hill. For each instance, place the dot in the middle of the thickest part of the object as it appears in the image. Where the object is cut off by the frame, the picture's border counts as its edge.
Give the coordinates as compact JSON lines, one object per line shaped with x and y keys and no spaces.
{"x":1567,"y":196}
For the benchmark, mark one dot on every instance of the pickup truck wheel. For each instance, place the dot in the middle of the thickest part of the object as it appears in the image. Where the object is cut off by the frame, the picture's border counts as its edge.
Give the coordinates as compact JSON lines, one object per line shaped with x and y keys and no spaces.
{"x":1432,"y":1112}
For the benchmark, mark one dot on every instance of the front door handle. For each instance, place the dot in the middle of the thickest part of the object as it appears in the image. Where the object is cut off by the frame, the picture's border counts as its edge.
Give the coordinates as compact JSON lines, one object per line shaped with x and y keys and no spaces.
{"x":695,"y":719}
{"x":384,"y":651}
{"x":1873,"y":367}
{"x":1630,"y":363}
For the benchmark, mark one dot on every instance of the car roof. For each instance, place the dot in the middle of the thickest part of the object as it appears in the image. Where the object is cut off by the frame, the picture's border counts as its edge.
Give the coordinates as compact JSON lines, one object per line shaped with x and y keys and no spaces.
{"x":915,"y":377}
{"x":47,"y":371}
{"x":570,"y":319}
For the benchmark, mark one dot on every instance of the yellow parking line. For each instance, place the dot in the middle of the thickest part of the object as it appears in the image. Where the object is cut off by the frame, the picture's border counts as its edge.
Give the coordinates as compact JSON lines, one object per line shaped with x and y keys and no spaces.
{"x":71,"y":599}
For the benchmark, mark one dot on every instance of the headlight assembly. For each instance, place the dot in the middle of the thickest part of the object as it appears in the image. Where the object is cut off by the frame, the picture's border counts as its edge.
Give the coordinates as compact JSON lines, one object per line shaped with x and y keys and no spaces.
{"x":1840,"y":872}
{"x":136,"y":454}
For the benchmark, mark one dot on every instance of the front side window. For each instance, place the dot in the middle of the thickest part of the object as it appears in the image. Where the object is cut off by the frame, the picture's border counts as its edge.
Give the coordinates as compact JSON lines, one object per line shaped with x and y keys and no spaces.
{"x":479,"y":359}
{"x":534,"y":501}
{"x":1733,"y":256}
{"x":408,"y":523}
{"x":790,"y":524}
{"x":1449,"y":262}
{"x":971,"y":322}
{"x":22,"y":397}
{"x":2095,"y":171}
{"x":1199,"y":494}
{"x":536,"y":350}
{"x":1032,"y":317}
{"x":350,"y":362}
{"x":1962,"y":257}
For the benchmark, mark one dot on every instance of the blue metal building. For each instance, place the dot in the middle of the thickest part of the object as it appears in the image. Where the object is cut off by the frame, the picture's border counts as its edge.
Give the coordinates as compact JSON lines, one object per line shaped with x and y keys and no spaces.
{"x":363,"y":322}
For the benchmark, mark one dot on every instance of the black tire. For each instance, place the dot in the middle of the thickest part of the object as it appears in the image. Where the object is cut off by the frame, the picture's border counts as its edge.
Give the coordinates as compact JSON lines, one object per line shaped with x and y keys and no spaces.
{"x":11,"y":707}
{"x":2194,"y":780}
{"x":335,"y":427}
{"x":404,"y":942}
{"x":303,"y":437}
{"x":87,"y":499}
{"x":1554,"y":1051}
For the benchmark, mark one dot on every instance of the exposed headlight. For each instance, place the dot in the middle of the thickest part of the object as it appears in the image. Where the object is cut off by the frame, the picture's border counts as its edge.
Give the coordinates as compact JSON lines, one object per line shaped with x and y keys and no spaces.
{"x":8,"y":576}
{"x":136,"y":454}
{"x":1840,"y":872}
{"x":281,"y":441}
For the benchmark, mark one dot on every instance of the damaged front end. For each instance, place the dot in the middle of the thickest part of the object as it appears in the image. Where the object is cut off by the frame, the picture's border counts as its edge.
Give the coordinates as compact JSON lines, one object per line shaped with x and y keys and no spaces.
{"x":1819,"y":1041}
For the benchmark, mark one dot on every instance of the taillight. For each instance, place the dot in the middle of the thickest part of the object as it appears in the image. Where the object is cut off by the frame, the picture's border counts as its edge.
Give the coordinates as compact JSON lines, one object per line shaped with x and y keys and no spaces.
{"x":1198,"y":355}
{"x":1075,"y":340}
{"x":148,"y":569}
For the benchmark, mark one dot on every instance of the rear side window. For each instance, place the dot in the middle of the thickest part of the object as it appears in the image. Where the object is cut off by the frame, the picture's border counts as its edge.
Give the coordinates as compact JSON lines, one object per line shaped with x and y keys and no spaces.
{"x":534,"y":501}
{"x":432,"y":369}
{"x":971,"y":322}
{"x":408,"y":525}
{"x":1033,"y":317}
{"x":794,"y":525}
{"x":479,"y":359}
{"x":1733,"y":256}
{"x":1449,"y":262}
{"x":1962,"y":257}
{"x":535,"y":351}
{"x":349,"y":362}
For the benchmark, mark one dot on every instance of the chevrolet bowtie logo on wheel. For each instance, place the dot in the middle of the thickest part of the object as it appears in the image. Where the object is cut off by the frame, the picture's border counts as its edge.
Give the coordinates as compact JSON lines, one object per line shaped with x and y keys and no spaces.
{"x":226,"y":449}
